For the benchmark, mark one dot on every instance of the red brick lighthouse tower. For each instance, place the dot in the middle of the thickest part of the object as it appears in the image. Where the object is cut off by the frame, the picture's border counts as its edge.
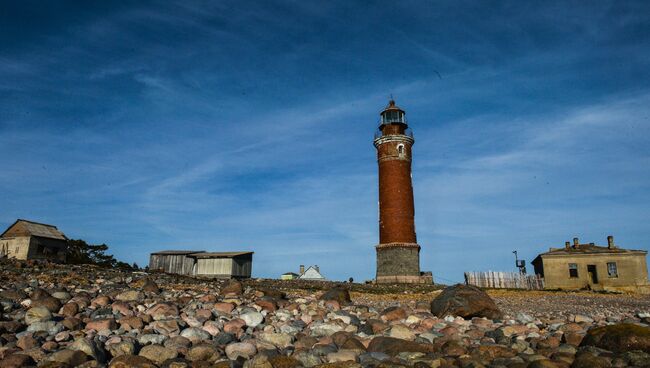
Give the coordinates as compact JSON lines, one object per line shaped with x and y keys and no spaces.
{"x":398,"y":253}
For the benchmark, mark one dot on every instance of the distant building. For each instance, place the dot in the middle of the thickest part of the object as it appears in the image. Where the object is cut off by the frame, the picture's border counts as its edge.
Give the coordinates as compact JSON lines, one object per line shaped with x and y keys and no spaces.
{"x":204,"y":264}
{"x":289,"y":276}
{"x":32,"y":240}
{"x":594,"y":267}
{"x":311,"y":273}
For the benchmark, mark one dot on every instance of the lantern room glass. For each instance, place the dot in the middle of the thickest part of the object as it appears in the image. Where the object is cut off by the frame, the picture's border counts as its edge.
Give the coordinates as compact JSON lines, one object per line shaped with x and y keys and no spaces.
{"x":392,"y":116}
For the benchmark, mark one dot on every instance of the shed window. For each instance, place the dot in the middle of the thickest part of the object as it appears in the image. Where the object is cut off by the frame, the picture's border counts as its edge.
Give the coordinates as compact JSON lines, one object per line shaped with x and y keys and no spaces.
{"x":612,"y":271}
{"x":573,"y":270}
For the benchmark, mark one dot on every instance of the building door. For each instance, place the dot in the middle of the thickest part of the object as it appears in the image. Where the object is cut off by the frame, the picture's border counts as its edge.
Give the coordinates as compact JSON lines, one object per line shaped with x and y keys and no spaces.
{"x":593,"y":275}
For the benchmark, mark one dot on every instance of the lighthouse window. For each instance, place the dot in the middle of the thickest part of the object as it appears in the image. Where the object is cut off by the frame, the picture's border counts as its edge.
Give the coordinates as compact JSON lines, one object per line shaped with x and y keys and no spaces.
{"x":393,"y":117}
{"x":400,"y":149}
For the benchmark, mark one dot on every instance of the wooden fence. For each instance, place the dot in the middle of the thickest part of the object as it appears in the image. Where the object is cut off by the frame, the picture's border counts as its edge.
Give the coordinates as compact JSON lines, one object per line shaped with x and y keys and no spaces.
{"x":504,"y":280}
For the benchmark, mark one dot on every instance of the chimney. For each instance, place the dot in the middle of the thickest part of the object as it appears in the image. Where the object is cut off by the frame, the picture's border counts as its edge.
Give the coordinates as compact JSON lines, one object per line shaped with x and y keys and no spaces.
{"x":576,"y":243}
{"x":302,"y":269}
{"x":567,"y":245}
{"x":317,"y":269}
{"x":610,"y":242}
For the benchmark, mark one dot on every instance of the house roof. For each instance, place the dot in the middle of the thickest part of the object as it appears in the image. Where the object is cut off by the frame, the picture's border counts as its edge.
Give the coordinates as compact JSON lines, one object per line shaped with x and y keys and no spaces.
{"x":220,"y":254}
{"x":290,"y":273}
{"x":177,"y":252}
{"x":30,"y":228}
{"x":589,"y":248}
{"x":312,"y":273}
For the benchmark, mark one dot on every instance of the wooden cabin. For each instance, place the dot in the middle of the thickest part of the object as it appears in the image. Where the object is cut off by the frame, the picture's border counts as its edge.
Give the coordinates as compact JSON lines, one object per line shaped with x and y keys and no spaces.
{"x":174,"y":261}
{"x":203,"y":264}
{"x":224,"y":264}
{"x":32,"y":240}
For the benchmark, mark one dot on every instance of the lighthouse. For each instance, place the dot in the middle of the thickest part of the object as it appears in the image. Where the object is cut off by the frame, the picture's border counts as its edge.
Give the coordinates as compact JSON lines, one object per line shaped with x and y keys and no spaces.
{"x":398,"y":252}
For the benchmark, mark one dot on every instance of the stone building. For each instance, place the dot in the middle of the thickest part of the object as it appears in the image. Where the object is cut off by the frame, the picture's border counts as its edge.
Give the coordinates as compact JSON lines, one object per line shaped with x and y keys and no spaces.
{"x":589,"y":266}
{"x":32,"y":240}
{"x":398,"y":253}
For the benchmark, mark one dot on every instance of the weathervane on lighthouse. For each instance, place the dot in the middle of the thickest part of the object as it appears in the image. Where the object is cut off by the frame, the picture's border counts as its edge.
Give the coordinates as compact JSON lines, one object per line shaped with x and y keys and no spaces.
{"x":398,"y":253}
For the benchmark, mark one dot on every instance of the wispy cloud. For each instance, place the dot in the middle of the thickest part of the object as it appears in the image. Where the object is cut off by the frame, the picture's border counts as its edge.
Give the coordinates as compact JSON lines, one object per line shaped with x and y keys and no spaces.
{"x":230,"y":126}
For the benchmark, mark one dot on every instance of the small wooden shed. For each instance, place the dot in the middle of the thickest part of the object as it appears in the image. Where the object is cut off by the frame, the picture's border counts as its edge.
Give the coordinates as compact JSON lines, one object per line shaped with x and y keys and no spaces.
{"x":180,"y":262}
{"x":26,"y":239}
{"x":224,"y":264}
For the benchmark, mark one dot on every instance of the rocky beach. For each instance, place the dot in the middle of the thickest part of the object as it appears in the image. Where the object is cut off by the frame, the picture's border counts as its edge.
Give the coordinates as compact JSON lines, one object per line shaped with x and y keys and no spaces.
{"x":84,"y":316}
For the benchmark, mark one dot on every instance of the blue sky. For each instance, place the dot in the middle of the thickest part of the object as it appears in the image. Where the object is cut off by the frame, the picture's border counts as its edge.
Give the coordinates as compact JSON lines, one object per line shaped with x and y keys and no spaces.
{"x":222,"y":125}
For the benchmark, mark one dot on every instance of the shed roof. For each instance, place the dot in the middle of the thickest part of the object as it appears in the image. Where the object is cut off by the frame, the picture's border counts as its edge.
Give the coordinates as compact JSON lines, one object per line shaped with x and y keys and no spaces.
{"x":30,"y":228}
{"x":220,"y":254}
{"x":177,"y":252}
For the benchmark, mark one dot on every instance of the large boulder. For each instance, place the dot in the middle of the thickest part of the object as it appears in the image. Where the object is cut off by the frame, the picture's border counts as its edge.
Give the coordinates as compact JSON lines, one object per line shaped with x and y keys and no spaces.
{"x":619,"y":338}
{"x":465,"y":301}
{"x":339,"y":294}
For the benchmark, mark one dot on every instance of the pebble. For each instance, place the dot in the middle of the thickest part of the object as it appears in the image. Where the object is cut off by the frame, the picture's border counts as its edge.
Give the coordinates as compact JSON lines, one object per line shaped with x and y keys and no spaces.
{"x":252,"y":319}
{"x":195,"y":335}
{"x":130,"y":296}
{"x":115,"y":319}
{"x":37,"y":314}
{"x":157,"y":353}
{"x":240,"y":349}
{"x":280,"y":340}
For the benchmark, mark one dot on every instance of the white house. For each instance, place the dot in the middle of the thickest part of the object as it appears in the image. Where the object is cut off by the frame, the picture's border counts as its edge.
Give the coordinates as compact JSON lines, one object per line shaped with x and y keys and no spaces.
{"x":312,"y":273}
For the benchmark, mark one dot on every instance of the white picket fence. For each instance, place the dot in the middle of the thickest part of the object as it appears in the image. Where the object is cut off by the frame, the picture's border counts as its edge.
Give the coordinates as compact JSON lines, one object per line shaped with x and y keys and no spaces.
{"x":504,"y":280}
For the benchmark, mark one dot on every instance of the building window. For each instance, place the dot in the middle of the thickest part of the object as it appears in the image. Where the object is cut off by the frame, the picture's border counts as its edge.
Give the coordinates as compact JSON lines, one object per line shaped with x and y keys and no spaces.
{"x":573,"y":270}
{"x":612,"y":271}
